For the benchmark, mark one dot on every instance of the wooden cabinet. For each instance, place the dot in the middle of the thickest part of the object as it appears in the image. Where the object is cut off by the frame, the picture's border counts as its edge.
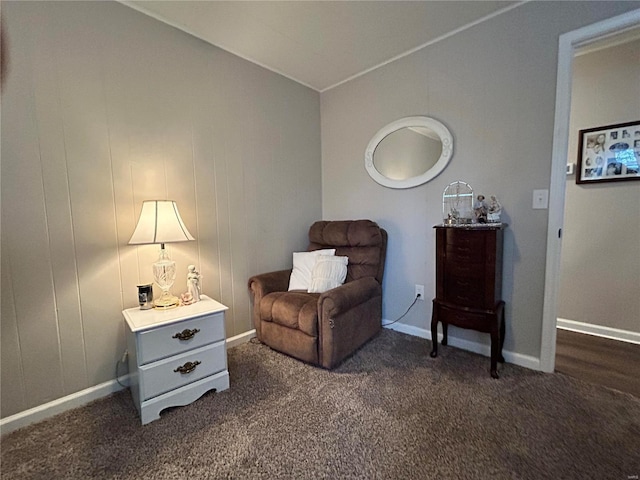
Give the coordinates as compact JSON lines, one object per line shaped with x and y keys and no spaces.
{"x":469,"y":284}
{"x":176,"y":355}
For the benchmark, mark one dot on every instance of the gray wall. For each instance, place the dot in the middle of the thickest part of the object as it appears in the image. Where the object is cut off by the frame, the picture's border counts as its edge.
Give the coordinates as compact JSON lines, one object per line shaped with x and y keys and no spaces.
{"x":103,"y":108}
{"x":494,"y":86}
{"x":600,"y":268}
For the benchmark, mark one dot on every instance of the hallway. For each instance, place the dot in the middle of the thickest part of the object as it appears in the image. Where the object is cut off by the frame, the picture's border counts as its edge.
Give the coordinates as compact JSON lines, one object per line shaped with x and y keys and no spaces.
{"x":598,"y":360}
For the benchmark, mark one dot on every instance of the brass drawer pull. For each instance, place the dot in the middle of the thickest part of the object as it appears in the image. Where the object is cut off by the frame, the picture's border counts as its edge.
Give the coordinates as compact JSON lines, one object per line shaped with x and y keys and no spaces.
{"x":186,"y":334}
{"x":187,"y":367}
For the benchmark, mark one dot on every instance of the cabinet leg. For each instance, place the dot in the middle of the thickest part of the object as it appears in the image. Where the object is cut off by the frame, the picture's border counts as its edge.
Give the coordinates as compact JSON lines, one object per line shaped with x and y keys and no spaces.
{"x":445,"y":333}
{"x":434,"y":331}
{"x":502,"y":329}
{"x":495,"y":346}
{"x":497,"y":339}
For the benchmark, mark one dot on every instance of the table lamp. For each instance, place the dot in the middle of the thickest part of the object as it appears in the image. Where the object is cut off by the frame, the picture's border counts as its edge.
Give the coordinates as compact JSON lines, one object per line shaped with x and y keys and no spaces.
{"x":160,"y":222}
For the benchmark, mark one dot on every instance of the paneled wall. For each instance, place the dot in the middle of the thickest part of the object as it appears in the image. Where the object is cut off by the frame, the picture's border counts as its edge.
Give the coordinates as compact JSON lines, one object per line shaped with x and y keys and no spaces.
{"x":103,"y":108}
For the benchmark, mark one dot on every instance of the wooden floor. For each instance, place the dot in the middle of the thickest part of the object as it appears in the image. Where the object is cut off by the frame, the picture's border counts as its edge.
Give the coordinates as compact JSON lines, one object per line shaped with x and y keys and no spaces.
{"x":599,"y":360}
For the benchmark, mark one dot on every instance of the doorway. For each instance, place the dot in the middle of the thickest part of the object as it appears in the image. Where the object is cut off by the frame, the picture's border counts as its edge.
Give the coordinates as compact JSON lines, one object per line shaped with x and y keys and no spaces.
{"x":568,"y":44}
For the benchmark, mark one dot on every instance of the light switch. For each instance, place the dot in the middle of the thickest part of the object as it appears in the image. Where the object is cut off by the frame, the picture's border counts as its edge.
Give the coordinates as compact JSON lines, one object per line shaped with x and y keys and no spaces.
{"x":540,"y":199}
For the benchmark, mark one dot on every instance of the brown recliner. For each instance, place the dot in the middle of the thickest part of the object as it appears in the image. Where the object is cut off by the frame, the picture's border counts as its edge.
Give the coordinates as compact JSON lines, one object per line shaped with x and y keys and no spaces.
{"x":325,"y":328}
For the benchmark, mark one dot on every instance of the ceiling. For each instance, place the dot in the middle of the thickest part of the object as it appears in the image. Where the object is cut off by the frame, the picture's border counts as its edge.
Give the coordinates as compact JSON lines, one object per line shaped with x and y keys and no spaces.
{"x":320,"y":43}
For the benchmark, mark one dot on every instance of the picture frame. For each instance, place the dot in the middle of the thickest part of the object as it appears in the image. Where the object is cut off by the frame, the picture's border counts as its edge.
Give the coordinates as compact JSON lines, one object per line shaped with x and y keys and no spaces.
{"x":609,"y":154}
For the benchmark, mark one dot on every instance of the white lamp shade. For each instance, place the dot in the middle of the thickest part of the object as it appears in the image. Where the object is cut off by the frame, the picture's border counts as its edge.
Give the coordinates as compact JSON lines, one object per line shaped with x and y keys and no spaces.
{"x":160,"y":222}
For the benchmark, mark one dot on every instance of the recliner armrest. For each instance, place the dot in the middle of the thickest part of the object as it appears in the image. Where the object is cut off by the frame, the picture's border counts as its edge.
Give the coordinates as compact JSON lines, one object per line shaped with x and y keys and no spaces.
{"x":266,"y":283}
{"x":340,"y":299}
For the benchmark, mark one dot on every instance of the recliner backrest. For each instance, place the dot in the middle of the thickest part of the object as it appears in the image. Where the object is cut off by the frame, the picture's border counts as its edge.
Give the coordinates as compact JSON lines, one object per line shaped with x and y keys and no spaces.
{"x":363,"y":241}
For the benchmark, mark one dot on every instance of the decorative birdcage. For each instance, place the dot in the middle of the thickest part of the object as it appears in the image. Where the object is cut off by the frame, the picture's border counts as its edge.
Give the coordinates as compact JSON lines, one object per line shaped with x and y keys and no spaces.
{"x":457,"y":204}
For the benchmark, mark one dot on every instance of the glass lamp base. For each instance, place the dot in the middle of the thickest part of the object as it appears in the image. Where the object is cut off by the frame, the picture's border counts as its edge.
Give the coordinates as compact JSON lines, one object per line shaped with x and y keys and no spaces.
{"x":166,"y":301}
{"x":164,"y":273}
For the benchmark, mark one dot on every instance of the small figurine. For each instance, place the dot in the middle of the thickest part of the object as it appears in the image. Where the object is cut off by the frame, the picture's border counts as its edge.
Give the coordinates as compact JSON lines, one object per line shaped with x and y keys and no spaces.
{"x":186,"y":299}
{"x":193,"y":283}
{"x":494,"y":210}
{"x":480,"y":209}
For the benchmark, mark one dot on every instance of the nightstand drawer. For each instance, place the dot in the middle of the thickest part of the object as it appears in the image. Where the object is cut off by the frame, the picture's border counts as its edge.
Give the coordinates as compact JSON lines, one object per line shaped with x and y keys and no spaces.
{"x":161,"y":377}
{"x":166,"y":341}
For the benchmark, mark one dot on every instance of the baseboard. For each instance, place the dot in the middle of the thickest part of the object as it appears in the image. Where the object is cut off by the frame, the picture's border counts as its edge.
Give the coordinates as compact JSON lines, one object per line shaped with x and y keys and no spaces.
{"x":599,"y":331}
{"x":240,"y":339}
{"x":526,"y":361}
{"x":47,"y":410}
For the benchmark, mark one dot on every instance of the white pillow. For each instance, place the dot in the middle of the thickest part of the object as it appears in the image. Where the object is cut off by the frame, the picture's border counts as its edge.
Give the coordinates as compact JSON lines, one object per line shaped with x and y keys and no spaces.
{"x":328,"y":273}
{"x":303,"y":263}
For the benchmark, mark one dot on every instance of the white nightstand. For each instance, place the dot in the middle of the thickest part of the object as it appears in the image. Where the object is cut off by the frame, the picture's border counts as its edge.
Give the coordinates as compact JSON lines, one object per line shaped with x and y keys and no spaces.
{"x":175,"y":356}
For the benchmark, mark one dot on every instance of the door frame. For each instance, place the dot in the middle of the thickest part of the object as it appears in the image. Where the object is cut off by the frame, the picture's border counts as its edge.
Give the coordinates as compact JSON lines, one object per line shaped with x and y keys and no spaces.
{"x":566,"y":50}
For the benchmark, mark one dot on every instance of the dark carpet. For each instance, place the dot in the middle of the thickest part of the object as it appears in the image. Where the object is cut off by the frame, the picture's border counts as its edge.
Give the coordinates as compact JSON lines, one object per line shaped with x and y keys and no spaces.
{"x":389,"y":412}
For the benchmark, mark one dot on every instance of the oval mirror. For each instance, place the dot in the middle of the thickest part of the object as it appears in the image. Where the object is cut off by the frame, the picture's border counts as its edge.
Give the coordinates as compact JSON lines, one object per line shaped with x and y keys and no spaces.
{"x":408,"y":152}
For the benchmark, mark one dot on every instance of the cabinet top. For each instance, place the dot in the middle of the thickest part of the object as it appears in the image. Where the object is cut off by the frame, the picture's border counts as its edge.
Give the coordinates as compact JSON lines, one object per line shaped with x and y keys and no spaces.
{"x":475,"y":226}
{"x":144,"y":319}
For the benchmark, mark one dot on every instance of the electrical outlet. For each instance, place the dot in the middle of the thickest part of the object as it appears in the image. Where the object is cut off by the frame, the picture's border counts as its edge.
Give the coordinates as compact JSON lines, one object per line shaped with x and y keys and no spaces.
{"x":420,"y":291}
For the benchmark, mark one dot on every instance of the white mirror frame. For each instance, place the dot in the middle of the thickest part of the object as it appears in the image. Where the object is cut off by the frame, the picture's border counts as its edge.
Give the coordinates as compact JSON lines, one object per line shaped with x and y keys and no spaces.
{"x":417,"y":121}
